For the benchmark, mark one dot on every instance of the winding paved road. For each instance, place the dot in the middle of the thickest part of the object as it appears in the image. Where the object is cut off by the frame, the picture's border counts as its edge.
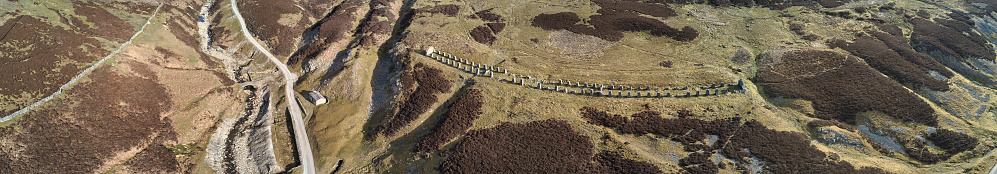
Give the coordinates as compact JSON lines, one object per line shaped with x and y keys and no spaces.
{"x":994,"y":169}
{"x":300,"y":136}
{"x":82,"y":74}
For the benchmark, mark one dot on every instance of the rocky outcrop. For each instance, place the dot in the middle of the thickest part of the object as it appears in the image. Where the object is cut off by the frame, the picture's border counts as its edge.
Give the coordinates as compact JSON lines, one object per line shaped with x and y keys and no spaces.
{"x":242,"y":144}
{"x":955,"y":44}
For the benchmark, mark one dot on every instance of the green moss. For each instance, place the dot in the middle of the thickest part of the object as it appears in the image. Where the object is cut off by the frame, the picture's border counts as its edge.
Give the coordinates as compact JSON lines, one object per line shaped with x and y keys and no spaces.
{"x":182,"y":149}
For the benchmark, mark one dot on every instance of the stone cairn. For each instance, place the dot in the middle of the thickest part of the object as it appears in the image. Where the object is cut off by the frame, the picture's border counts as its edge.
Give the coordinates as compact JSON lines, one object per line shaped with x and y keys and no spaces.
{"x":584,"y":88}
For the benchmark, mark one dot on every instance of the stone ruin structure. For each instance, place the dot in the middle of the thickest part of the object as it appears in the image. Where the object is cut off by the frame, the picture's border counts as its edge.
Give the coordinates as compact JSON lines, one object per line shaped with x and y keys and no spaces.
{"x":564,"y":86}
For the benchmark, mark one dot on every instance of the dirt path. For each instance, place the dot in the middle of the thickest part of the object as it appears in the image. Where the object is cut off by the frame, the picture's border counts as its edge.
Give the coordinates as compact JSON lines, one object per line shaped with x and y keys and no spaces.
{"x":82,"y":74}
{"x":300,"y":136}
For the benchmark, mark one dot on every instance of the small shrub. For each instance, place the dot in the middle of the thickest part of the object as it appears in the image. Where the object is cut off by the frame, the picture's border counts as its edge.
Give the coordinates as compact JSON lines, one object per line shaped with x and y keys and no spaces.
{"x":483,"y":35}
{"x":448,"y":9}
{"x":742,"y":56}
{"x":796,"y":27}
{"x":952,"y":141}
{"x":666,"y":64}
{"x":487,"y":15}
{"x":496,"y":27}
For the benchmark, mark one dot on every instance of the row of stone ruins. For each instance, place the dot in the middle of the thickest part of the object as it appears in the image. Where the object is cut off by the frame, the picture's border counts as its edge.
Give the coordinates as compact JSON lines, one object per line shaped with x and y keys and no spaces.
{"x":590,"y":89}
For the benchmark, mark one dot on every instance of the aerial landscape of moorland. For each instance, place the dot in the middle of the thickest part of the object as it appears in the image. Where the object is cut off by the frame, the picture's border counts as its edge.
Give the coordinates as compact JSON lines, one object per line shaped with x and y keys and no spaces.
{"x":498,"y":86}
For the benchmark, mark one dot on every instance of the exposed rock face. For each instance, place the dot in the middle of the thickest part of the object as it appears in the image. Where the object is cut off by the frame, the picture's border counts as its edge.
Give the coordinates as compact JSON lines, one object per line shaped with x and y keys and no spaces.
{"x":955,"y":44}
{"x":888,"y":51}
{"x":242,"y":144}
{"x":831,"y":136}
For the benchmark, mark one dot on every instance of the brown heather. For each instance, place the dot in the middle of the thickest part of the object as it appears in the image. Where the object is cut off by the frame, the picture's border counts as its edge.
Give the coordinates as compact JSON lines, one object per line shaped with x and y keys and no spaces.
{"x":840,"y":87}
{"x":782,"y":151}
{"x":427,"y":82}
{"x":455,"y":121}
{"x":547,"y":146}
{"x":616,"y":17}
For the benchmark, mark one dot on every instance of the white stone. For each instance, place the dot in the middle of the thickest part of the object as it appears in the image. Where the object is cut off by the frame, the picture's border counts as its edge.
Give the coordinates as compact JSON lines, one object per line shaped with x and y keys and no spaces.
{"x":316,"y":97}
